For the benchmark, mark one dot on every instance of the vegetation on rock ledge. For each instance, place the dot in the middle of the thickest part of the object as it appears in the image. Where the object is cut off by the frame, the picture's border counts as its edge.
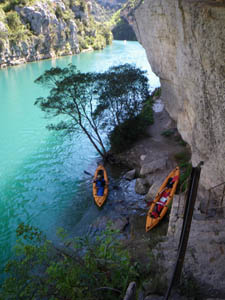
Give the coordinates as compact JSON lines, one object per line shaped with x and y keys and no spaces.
{"x":56,"y":29}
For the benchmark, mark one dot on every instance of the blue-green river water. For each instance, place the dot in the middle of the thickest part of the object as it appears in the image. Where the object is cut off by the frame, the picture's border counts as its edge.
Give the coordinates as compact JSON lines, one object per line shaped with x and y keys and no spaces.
{"x":42,"y":180}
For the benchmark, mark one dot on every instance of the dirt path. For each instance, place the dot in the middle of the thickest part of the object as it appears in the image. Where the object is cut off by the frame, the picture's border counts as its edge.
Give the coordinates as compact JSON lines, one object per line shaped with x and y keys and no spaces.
{"x":156,"y":145}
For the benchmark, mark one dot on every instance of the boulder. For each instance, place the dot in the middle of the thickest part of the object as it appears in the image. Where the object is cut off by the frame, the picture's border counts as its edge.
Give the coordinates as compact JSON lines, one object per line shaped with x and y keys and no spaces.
{"x":141,"y":186}
{"x":153,"y":166}
{"x":130,"y":175}
{"x":142,"y":157}
{"x":150,"y":179}
{"x":120,"y":223}
{"x":153,"y":190}
{"x":131,"y":292}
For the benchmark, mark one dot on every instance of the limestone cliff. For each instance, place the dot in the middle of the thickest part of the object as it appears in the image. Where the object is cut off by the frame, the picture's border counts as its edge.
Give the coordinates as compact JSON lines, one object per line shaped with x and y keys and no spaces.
{"x":44,"y":29}
{"x":185,"y":45}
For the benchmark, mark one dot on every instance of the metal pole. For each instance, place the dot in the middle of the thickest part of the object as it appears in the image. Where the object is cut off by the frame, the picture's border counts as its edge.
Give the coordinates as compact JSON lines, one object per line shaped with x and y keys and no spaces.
{"x":189,"y":208}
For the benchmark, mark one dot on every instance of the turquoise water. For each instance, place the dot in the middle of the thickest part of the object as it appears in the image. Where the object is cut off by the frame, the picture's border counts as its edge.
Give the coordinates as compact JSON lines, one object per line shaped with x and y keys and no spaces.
{"x":41,"y":173}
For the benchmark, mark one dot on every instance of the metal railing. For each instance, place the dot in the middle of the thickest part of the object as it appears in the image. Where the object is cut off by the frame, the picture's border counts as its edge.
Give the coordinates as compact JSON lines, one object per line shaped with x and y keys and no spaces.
{"x":188,"y":213}
{"x":221,"y":200}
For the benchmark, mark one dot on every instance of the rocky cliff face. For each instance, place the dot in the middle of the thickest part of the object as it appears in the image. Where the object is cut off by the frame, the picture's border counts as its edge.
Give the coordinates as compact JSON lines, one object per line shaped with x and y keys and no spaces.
{"x":185,"y":44}
{"x":47,"y":29}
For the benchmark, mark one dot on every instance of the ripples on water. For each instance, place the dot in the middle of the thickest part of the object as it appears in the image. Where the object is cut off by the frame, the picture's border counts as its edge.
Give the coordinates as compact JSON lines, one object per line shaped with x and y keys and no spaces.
{"x":41,"y":173}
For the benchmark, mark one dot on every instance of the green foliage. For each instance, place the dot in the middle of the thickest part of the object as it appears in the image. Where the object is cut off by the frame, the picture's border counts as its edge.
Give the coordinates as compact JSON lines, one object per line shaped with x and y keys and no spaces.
{"x":13,"y":20}
{"x":2,"y":15}
{"x":72,"y":95}
{"x":99,"y":42}
{"x":17,"y":31}
{"x":168,"y":132}
{"x":115,"y":98}
{"x":106,"y":33}
{"x":115,"y":19}
{"x":9,"y":5}
{"x":83,"y":43}
{"x":182,"y":157}
{"x":180,"y":141}
{"x":93,"y":34}
{"x":183,"y":160}
{"x":123,"y":90}
{"x":59,"y":12}
{"x":83,"y":268}
{"x":156,"y":94}
{"x":90,"y":33}
{"x":124,"y":106}
{"x":132,"y":4}
{"x":125,"y":134}
{"x":66,"y":15}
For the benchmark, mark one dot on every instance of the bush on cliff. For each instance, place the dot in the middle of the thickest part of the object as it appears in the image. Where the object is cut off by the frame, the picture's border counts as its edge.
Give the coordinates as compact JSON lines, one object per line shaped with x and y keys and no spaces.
{"x":81,"y":268}
{"x":9,"y":5}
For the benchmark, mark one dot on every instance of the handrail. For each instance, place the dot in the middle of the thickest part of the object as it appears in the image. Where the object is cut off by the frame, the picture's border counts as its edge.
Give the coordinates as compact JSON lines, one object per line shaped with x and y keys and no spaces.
{"x":188,"y":213}
{"x":222,"y":198}
{"x":217,"y":186}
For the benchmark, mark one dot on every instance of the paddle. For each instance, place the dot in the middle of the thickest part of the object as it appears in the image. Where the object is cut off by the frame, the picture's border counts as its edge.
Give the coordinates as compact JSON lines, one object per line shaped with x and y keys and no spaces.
{"x":86,"y":172}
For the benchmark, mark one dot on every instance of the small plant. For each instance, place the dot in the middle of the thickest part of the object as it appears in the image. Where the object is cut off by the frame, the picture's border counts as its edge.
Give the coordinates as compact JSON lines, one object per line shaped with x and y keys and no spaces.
{"x":183,"y":160}
{"x":168,"y":132}
{"x":156,"y":94}
{"x":182,"y":157}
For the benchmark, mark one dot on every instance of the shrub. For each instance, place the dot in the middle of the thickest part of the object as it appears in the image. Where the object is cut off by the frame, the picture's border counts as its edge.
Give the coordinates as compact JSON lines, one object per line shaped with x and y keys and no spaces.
{"x":13,"y":20}
{"x":84,"y":268}
{"x":183,"y":160}
{"x":124,"y":135}
{"x":82,"y":42}
{"x":59,"y":12}
{"x":10,"y":4}
{"x":168,"y":132}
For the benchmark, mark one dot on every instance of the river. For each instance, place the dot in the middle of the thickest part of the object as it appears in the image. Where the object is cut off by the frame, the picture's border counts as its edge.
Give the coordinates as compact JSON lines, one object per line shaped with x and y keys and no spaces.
{"x":42,"y":179}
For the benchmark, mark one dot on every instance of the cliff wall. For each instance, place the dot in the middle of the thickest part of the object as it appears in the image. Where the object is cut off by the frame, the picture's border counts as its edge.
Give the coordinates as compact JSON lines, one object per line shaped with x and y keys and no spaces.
{"x":185,"y":45}
{"x":45,"y":29}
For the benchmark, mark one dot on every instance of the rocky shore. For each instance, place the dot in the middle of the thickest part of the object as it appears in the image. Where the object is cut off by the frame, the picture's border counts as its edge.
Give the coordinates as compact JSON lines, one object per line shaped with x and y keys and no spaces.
{"x":149,"y":162}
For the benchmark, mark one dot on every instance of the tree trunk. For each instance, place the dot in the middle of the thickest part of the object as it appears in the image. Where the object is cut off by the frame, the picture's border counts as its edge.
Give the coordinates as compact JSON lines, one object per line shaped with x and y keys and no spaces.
{"x":103,"y":154}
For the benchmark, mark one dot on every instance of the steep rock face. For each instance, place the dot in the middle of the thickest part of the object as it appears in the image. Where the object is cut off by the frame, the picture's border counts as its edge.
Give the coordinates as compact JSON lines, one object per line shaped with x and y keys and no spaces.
{"x":51,"y":36}
{"x":185,"y":44}
{"x":48,"y":29}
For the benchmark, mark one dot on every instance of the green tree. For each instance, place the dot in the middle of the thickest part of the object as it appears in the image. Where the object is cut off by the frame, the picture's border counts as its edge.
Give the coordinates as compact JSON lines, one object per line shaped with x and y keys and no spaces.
{"x":72,"y":94}
{"x":122,"y":92}
{"x":80,"y":268}
{"x":125,"y":106}
{"x":94,"y":101}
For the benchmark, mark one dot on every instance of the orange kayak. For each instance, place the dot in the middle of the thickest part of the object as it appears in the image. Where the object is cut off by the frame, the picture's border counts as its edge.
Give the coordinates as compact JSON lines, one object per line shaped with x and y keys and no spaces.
{"x":163,"y":198}
{"x":100,"y":196}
